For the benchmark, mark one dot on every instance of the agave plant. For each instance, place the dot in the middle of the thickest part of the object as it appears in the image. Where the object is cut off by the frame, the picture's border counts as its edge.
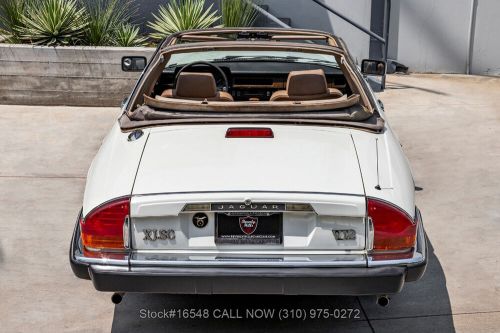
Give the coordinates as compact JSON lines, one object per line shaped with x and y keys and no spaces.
{"x":127,"y":35}
{"x":182,"y":15}
{"x":238,"y":13}
{"x":11,"y":14}
{"x":53,"y":22}
{"x":105,"y":17}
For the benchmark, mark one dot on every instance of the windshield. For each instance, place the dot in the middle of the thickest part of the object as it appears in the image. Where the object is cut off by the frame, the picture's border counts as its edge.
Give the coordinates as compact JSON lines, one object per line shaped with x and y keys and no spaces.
{"x":179,"y":59}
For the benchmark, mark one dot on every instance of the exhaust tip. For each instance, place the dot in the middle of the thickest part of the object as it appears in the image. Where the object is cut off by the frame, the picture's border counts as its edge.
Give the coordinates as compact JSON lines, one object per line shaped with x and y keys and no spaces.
{"x":383,"y":301}
{"x":116,"y":298}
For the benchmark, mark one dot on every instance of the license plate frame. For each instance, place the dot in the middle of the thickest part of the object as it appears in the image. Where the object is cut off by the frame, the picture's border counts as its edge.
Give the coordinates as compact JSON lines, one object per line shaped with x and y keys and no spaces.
{"x":229,"y":228}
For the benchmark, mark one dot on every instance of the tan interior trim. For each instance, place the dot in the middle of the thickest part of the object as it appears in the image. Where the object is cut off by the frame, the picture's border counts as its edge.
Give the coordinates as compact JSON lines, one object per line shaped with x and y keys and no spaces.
{"x":128,"y":124}
{"x":280,"y":85}
{"x":273,"y":31}
{"x":251,"y":106}
{"x":298,"y":37}
{"x":354,"y":83}
{"x":203,"y":38}
{"x":276,"y":85}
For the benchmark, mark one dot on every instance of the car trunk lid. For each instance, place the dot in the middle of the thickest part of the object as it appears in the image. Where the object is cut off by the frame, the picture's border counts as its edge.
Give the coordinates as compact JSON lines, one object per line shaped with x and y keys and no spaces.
{"x":201,"y":159}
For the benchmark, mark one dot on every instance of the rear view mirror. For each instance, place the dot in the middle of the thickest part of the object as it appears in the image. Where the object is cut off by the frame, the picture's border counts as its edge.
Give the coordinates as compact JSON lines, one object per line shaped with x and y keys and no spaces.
{"x":133,"y":64}
{"x":373,"y":67}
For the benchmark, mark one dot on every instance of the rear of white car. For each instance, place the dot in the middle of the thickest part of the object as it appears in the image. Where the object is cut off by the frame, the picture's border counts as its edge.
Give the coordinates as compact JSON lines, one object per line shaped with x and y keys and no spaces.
{"x":268,"y":209}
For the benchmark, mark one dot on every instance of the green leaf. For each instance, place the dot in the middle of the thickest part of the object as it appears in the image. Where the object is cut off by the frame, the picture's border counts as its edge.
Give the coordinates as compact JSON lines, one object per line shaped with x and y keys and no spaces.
{"x":127,"y":35}
{"x":238,"y":13}
{"x":105,"y":18}
{"x":53,"y":22}
{"x":182,"y":15}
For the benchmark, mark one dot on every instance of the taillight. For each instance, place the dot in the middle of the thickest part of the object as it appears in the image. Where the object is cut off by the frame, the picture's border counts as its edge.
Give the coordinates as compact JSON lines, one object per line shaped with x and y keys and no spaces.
{"x":238,"y":132}
{"x":103,"y":228}
{"x":394,"y":230}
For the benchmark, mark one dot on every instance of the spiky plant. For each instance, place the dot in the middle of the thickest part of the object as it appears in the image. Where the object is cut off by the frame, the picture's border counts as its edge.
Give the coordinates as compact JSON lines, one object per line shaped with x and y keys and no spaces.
{"x":182,"y":15}
{"x":11,"y":19}
{"x":238,"y":13}
{"x":53,"y":22}
{"x":105,"y":17}
{"x":127,"y":35}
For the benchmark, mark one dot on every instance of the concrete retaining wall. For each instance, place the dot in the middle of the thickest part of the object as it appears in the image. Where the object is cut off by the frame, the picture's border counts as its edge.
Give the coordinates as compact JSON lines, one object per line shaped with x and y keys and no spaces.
{"x":86,"y":76}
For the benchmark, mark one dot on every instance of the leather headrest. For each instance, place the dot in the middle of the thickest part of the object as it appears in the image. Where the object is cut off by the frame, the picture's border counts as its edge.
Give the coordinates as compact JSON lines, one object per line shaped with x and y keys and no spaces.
{"x":195,"y":85}
{"x":305,"y":83}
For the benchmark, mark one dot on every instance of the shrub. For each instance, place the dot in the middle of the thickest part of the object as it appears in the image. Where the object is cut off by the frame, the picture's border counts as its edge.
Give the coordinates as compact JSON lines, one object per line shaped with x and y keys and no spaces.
{"x":11,"y":22}
{"x":53,"y":22}
{"x":182,"y":15}
{"x":104,"y":19}
{"x":238,"y":13}
{"x":127,"y":35}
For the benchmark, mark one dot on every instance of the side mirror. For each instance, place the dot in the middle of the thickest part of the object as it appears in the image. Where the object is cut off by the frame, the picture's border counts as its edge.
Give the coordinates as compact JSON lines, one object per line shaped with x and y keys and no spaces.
{"x":133,"y":64}
{"x":373,"y":67}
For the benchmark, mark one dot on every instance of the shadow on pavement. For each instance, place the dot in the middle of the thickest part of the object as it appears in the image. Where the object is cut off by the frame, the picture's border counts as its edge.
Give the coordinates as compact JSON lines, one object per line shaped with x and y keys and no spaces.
{"x":1,"y":253}
{"x":396,"y":86}
{"x":422,"y":306}
{"x":425,"y":298}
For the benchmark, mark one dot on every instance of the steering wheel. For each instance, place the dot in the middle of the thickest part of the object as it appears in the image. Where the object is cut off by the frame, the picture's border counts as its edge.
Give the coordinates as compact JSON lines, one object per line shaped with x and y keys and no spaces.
{"x":223,"y":87}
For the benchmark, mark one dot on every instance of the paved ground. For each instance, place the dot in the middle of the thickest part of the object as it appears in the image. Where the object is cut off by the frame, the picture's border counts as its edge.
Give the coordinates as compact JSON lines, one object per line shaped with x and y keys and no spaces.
{"x":449,"y":128}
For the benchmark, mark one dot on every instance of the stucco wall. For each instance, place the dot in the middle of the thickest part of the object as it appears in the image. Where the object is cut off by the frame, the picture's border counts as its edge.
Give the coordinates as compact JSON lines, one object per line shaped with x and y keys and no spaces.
{"x":65,"y":75}
{"x":432,"y":35}
{"x":485,"y":58}
{"x":309,"y":15}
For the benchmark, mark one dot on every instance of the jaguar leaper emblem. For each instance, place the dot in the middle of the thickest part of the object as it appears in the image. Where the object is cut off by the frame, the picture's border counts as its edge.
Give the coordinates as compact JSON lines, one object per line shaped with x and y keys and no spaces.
{"x":200,"y":220}
{"x":248,"y":224}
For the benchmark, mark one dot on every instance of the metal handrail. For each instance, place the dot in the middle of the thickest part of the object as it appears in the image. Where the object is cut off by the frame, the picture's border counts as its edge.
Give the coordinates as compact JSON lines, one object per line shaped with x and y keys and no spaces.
{"x":345,"y":18}
{"x":268,"y":15}
{"x":383,"y":40}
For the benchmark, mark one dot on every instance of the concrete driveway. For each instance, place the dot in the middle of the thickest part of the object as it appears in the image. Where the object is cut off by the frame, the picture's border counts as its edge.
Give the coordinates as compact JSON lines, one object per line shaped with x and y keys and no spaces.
{"x":449,"y":127}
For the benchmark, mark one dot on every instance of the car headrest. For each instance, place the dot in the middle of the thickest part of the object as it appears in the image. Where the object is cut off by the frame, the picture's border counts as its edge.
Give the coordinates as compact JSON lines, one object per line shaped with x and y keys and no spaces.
{"x":305,"y":83}
{"x":195,"y":85}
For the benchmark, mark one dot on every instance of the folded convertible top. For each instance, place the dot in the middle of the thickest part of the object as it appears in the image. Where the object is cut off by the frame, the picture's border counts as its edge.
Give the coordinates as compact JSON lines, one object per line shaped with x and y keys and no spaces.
{"x":147,"y":116}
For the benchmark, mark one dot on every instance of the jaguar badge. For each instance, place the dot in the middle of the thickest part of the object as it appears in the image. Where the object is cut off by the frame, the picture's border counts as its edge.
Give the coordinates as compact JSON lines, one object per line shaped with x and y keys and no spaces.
{"x":200,"y":220}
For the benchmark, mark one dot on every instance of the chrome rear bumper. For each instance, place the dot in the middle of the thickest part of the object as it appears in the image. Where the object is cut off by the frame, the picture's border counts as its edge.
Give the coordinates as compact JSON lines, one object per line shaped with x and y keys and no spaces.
{"x":240,"y":273}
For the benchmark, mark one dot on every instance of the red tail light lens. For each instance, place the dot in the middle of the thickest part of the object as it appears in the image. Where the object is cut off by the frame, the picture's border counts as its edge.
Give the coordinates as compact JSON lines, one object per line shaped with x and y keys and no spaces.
{"x":238,"y":132}
{"x":394,"y":230}
{"x":102,"y":228}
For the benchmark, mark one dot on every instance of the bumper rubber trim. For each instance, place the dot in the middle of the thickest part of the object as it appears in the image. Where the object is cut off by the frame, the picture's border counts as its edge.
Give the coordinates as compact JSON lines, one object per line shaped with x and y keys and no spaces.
{"x":289,"y":281}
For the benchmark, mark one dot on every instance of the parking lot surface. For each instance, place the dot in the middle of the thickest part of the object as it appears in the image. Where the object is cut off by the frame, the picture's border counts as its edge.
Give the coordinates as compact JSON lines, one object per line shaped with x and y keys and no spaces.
{"x":449,"y":126}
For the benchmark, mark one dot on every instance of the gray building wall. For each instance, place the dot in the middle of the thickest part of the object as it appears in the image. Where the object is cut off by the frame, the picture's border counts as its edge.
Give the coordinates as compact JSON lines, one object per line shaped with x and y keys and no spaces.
{"x":426,"y":35}
{"x":485,"y":58}
{"x":438,"y":36}
{"x":307,"y":14}
{"x":303,"y":14}
{"x":444,"y":36}
{"x":432,"y":36}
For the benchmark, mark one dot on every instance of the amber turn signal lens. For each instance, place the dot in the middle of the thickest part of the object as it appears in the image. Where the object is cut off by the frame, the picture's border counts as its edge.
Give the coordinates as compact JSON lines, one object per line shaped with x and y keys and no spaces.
{"x":102,"y":228}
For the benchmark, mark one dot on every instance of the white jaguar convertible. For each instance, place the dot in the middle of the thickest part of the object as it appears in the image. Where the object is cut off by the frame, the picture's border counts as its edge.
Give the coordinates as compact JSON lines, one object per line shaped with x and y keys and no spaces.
{"x":253,"y":161}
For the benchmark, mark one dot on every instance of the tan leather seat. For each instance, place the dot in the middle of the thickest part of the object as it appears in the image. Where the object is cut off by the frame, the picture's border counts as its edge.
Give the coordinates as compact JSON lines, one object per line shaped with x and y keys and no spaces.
{"x":197,"y":86}
{"x":304,"y":86}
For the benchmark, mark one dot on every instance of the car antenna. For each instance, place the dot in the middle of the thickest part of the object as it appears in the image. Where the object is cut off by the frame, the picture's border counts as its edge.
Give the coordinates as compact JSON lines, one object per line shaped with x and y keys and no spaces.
{"x":377,"y":187}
